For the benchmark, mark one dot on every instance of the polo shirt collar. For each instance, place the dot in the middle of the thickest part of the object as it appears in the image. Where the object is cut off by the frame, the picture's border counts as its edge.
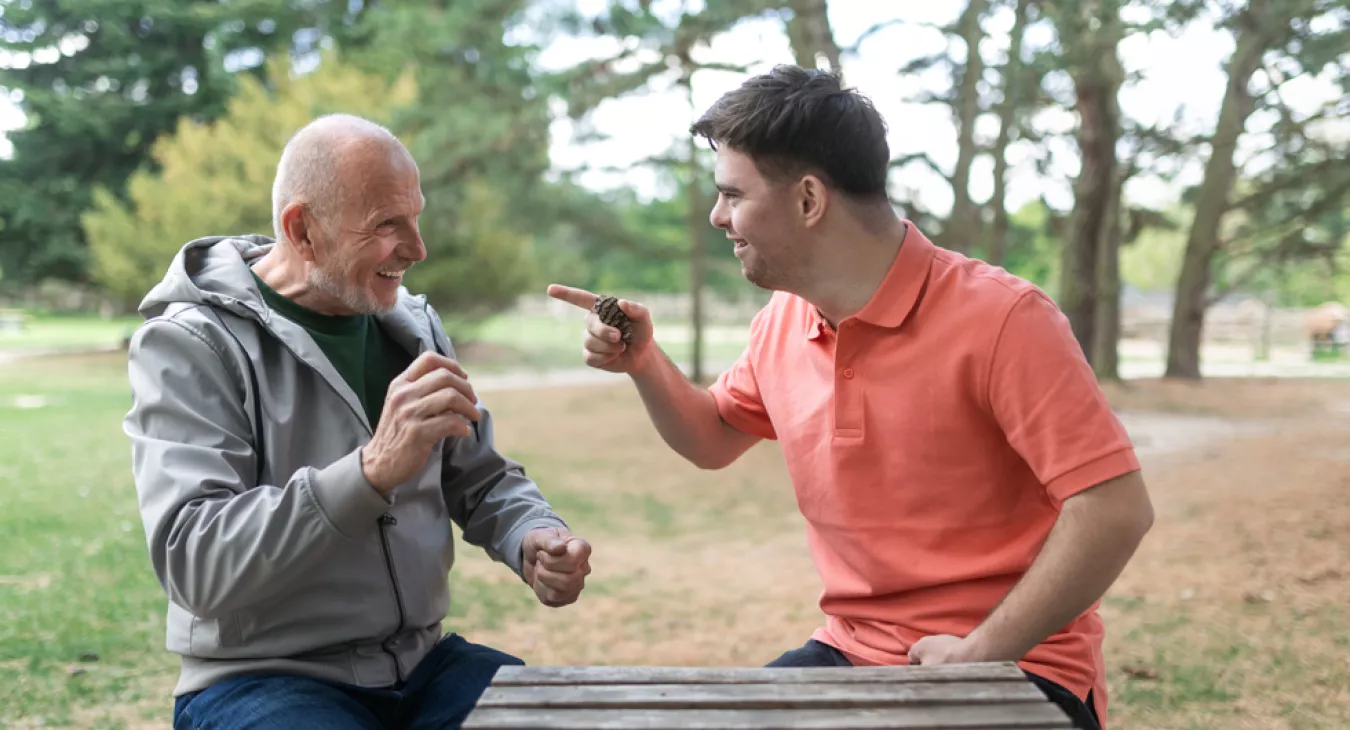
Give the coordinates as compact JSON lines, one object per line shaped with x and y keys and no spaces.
{"x":897,"y":294}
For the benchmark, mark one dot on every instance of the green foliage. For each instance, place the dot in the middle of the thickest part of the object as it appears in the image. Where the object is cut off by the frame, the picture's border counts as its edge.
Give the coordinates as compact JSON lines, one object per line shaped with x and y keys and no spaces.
{"x":1033,"y":246}
{"x":479,"y":132}
{"x":616,"y":242}
{"x":215,"y":178}
{"x":478,"y":263}
{"x":100,"y":82}
{"x":1153,"y":261}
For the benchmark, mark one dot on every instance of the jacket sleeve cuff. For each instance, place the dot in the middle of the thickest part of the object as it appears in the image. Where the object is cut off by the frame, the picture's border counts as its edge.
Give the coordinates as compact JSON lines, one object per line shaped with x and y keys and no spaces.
{"x":512,"y":547}
{"x":345,"y":497}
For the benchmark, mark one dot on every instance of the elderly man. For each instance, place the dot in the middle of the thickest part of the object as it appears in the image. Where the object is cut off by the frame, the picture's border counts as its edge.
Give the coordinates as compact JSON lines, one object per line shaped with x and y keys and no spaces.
{"x":968,"y":493}
{"x":302,"y":440}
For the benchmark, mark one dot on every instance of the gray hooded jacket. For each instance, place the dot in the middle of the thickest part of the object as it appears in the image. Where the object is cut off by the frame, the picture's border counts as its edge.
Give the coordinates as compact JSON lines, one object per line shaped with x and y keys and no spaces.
{"x":275,"y":552}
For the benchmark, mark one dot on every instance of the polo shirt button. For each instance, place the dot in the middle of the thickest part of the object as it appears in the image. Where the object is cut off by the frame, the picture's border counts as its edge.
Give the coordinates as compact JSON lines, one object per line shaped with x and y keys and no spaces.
{"x":848,"y":373}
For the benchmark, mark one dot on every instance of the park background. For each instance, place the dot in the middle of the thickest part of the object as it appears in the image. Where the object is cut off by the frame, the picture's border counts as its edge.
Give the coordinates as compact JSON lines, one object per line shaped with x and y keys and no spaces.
{"x":1174,"y":174}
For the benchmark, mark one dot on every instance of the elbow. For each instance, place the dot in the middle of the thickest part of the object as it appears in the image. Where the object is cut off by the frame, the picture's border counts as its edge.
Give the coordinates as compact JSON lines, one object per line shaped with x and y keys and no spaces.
{"x":1144,"y":518}
{"x":197,"y":599}
{"x":710,"y":460}
{"x":207,"y":610}
{"x":192,"y":586}
{"x":1139,"y":519}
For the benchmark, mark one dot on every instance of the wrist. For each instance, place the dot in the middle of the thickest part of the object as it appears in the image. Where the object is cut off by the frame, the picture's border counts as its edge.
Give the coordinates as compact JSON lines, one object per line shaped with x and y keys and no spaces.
{"x":646,"y":362}
{"x":979,"y":646}
{"x":370,"y":470}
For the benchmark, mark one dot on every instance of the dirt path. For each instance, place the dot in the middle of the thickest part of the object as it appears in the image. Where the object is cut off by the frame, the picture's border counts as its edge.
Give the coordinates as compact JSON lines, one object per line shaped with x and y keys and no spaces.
{"x":1232,"y":613}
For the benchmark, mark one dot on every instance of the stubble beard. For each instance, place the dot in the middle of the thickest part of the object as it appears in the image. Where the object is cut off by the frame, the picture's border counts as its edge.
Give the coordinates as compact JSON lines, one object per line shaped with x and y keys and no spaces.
{"x":332,"y":281}
{"x":766,"y":276}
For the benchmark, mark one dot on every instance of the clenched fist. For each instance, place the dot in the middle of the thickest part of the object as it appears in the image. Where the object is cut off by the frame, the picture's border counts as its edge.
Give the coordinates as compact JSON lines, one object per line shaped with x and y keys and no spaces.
{"x":429,"y":401}
{"x":942,"y":649}
{"x":556,"y":565}
{"x":602,"y":345}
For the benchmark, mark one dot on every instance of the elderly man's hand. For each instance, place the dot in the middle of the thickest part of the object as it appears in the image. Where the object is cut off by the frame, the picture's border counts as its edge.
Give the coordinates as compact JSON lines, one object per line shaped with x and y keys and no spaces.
{"x":556,"y":565}
{"x":429,"y":401}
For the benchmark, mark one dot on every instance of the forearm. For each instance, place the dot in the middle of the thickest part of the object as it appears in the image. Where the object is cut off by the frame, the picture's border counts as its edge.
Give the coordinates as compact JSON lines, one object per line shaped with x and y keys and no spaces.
{"x":216,"y":551}
{"x":686,"y":415}
{"x":1090,"y":544}
{"x":489,"y":495}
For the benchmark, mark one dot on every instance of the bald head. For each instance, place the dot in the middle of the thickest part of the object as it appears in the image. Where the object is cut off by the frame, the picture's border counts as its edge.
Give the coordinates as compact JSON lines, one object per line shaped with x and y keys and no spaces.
{"x":328,"y":162}
{"x":345,"y":207}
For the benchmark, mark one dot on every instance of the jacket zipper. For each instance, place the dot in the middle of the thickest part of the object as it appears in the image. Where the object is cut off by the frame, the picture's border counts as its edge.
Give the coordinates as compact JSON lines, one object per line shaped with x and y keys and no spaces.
{"x":387,"y":520}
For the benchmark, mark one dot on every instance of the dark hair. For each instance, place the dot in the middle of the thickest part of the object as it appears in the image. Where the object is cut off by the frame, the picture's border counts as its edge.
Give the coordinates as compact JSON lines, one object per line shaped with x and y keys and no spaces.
{"x":793,"y":121}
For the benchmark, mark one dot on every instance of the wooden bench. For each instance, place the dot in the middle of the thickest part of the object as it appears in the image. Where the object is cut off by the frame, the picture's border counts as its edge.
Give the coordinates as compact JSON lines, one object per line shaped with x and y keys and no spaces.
{"x":993,"y":696}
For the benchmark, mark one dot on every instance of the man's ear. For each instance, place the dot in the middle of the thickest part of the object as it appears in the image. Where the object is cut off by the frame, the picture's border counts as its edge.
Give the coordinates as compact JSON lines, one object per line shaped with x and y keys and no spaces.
{"x":295,"y":223}
{"x":814,"y":200}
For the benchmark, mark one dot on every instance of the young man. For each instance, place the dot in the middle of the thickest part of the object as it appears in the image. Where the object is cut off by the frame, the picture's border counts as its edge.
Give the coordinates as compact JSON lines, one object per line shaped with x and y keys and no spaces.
{"x":302,"y":439}
{"x":968,"y":492}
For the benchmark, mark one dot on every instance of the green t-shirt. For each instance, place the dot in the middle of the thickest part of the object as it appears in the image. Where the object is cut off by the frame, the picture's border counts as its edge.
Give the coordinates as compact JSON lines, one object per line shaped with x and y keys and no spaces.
{"x":366,"y":357}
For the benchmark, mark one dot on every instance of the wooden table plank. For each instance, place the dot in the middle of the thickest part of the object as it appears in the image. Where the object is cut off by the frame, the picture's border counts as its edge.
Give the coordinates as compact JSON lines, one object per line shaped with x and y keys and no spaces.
{"x":761,"y":696}
{"x":1018,"y":716}
{"x":541,"y":675}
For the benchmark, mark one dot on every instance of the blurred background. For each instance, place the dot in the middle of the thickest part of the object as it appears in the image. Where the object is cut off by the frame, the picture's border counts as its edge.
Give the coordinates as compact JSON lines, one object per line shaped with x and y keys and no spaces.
{"x":1175,"y":174}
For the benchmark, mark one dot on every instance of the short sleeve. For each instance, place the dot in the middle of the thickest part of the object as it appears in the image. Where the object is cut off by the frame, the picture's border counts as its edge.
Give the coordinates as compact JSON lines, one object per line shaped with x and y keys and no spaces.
{"x":1046,"y":398}
{"x":736,"y":390}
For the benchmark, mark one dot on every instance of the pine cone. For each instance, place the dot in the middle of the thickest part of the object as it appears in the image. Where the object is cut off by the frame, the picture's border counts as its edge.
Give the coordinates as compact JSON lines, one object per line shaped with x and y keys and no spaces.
{"x":613,"y":315}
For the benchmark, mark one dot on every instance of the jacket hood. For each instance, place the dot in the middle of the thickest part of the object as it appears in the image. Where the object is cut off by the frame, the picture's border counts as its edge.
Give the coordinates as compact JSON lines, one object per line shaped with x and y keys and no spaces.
{"x":212,"y":270}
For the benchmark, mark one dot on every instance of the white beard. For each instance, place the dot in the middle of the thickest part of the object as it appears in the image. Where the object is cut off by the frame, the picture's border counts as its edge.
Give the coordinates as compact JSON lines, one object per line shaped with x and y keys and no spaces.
{"x":331,"y":284}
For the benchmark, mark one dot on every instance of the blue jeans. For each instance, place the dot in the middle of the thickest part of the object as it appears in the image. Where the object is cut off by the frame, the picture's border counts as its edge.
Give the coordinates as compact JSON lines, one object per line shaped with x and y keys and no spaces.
{"x":439,"y":694}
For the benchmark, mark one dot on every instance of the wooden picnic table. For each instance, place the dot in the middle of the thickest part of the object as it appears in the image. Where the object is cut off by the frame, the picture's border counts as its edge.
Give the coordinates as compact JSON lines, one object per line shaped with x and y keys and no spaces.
{"x":992,"y":695}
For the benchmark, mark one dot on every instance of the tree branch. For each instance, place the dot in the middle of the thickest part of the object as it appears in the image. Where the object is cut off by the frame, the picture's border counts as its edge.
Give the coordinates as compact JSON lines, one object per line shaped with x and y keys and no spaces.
{"x":716,"y":66}
{"x":924,"y":158}
{"x":873,"y":30}
{"x":1291,"y":178}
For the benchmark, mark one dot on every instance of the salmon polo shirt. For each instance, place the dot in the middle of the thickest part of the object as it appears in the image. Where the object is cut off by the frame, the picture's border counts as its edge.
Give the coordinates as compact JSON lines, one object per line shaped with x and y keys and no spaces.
{"x":931,"y":439}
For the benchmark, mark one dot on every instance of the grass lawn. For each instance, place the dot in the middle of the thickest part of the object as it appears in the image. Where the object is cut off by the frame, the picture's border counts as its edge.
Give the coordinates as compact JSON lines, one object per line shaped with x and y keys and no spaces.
{"x":512,"y":341}
{"x":72,"y":332}
{"x":1232,"y":615}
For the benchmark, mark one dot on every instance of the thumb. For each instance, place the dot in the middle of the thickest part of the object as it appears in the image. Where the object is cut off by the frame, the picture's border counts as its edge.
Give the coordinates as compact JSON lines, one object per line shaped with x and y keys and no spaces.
{"x":916,"y":651}
{"x":633,"y":309}
{"x":578,"y":548}
{"x":553,"y":542}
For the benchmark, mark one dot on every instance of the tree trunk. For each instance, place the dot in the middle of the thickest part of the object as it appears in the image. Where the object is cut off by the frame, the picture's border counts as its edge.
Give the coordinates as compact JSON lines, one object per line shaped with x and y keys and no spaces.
{"x":963,"y":225}
{"x":810,"y":35}
{"x":1105,"y":357}
{"x":698,"y":222}
{"x":1188,"y":312}
{"x":1098,"y":130}
{"x":1012,"y":70}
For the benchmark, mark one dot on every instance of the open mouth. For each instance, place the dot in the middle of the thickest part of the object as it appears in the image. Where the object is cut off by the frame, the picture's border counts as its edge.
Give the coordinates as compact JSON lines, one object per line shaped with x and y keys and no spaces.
{"x":395,"y":275}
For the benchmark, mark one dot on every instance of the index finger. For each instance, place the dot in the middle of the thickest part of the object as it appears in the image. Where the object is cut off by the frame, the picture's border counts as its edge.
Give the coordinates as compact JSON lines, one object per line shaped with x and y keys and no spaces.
{"x":430,"y":361}
{"x":576,"y":297}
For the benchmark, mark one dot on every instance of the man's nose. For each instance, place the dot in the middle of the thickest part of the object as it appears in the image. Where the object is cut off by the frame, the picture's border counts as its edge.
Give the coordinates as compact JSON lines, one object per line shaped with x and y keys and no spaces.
{"x":414,"y":249}
{"x":720,"y":216}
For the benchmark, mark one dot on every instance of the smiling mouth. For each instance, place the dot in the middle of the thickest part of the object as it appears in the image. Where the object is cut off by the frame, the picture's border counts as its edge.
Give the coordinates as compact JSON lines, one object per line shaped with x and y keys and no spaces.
{"x":390,"y":274}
